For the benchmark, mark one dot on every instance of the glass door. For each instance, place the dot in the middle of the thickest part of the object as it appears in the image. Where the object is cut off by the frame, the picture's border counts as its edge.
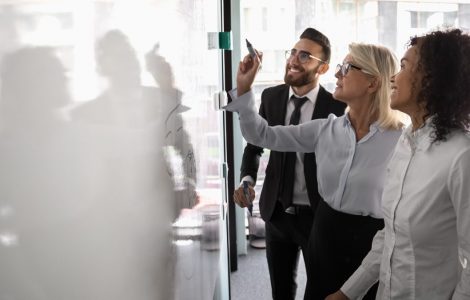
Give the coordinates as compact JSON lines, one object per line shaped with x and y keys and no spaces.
{"x":111,"y":184}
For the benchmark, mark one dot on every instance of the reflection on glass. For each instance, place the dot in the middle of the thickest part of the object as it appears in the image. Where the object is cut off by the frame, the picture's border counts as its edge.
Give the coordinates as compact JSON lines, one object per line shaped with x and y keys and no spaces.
{"x":109,"y":150}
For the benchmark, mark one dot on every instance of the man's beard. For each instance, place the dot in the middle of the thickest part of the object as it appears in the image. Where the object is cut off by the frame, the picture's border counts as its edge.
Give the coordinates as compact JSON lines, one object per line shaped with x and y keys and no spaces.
{"x":306,"y":78}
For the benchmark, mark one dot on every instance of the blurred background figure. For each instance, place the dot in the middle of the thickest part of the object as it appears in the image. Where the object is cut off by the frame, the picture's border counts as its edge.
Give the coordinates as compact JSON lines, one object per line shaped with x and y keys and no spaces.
{"x":76,"y":197}
{"x":123,"y":102}
{"x":99,"y":187}
{"x":42,"y":202}
{"x":177,"y":140}
{"x":127,"y":104}
{"x":34,"y":88}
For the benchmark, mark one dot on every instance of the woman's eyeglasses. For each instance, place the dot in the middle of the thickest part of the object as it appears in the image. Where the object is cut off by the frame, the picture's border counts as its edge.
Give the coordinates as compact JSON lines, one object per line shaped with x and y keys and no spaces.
{"x":344,"y":68}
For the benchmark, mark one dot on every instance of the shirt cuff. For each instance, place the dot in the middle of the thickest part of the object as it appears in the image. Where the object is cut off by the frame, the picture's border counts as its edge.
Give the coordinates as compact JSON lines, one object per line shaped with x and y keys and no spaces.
{"x":358,"y":284}
{"x":462,"y":291}
{"x":249,"y":179}
{"x":244,"y":102}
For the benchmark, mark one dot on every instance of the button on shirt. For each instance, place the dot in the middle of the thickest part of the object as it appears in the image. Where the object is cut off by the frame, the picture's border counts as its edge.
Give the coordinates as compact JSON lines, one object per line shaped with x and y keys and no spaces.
{"x":350,"y":173}
{"x":423,"y":252}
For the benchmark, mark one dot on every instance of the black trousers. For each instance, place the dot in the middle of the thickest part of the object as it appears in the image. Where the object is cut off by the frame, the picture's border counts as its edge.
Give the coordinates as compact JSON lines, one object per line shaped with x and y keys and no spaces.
{"x":286,"y":236}
{"x":338,"y":243}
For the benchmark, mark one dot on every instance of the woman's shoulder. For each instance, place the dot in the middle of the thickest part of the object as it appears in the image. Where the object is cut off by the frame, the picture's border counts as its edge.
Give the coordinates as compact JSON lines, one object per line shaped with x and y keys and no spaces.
{"x":335,"y":119}
{"x":394,"y":129}
{"x":458,"y":140}
{"x":392,"y":134}
{"x":331,"y":121}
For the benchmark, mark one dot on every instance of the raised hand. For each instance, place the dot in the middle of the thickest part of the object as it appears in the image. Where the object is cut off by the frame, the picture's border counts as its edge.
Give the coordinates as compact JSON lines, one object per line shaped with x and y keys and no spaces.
{"x":247,"y":70}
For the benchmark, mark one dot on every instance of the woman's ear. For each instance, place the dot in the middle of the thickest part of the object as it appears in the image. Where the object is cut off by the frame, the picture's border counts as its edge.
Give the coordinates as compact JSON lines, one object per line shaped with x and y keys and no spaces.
{"x":374,"y":84}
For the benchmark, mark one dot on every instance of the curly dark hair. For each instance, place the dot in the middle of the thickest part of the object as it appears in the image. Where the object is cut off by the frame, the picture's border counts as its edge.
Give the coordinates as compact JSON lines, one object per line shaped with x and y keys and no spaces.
{"x":444,"y":61}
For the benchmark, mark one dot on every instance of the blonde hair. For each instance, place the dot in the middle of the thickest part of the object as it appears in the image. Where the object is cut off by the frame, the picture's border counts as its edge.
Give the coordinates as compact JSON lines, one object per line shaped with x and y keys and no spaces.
{"x":381,"y":63}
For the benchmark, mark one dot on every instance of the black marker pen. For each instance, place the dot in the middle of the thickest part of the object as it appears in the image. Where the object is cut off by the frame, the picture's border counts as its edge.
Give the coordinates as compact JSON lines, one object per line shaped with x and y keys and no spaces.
{"x":250,"y":49}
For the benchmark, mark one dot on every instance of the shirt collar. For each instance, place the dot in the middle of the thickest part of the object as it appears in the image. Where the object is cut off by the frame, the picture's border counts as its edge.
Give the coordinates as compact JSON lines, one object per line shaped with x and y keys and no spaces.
{"x":311,"y":95}
{"x":372,"y":128}
{"x":421,"y":137}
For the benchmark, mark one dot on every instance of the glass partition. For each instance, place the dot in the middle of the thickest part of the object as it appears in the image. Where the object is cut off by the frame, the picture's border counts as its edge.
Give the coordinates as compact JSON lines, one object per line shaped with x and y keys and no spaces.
{"x":110,"y":151}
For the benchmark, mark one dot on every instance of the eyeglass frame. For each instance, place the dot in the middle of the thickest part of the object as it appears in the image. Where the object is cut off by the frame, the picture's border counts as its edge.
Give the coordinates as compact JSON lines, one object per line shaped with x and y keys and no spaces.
{"x":344,"y":68}
{"x":288,"y":54}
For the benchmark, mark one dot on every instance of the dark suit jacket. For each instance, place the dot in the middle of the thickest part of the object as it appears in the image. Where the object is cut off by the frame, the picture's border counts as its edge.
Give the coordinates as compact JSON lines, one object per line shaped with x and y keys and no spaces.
{"x":273,"y":110}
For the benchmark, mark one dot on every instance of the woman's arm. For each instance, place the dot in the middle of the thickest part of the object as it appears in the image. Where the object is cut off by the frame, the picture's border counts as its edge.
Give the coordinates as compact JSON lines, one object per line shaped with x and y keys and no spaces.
{"x":255,"y":130}
{"x":458,"y":183}
{"x":300,"y":138}
{"x":368,"y":272}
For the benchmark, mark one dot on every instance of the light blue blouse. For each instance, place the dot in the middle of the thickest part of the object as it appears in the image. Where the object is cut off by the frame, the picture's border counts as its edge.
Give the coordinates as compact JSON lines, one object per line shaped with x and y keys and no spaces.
{"x":350,"y":173}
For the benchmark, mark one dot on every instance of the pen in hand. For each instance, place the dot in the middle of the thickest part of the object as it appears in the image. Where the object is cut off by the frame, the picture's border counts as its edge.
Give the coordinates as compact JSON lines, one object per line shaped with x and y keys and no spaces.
{"x":251,"y":50}
{"x":246,"y":191}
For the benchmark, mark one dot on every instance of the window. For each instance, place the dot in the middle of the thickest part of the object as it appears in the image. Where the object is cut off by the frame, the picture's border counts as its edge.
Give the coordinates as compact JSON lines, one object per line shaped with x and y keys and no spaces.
{"x":390,"y":23}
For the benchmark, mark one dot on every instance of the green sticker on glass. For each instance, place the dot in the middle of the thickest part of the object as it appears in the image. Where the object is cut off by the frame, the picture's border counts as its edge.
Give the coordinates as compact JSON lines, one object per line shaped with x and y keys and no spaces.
{"x":225,"y":40}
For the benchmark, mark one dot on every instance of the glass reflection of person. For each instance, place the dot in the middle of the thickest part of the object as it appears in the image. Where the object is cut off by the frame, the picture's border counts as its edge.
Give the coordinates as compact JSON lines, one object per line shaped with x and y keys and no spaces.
{"x":33,"y":88}
{"x":40,"y":184}
{"x":176,"y":136}
{"x":125,"y":129}
{"x":352,"y":152}
{"x":125,"y":103}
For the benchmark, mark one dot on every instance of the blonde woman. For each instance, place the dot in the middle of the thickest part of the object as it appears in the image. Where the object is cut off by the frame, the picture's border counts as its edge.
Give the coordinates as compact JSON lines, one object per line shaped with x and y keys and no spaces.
{"x":352,"y":153}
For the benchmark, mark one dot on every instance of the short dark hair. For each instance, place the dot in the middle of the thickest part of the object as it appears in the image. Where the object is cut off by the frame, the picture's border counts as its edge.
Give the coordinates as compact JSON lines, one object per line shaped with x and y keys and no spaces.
{"x":444,"y":60}
{"x":319,"y":38}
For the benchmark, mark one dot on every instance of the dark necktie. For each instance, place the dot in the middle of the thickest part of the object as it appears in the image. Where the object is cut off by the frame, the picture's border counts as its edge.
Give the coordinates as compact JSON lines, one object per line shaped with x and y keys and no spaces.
{"x":290,"y":157}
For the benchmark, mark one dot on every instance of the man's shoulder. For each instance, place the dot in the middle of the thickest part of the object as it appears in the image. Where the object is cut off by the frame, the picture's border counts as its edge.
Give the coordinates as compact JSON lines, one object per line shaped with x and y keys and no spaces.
{"x":326,"y":97}
{"x":324,"y":93}
{"x":284,"y":88}
{"x":90,"y":110}
{"x":275,"y":96}
{"x":281,"y":88}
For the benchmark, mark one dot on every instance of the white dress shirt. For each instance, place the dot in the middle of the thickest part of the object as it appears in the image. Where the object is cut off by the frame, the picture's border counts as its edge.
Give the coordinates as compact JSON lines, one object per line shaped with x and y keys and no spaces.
{"x":350,"y":173}
{"x":424,"y":250}
{"x":299,"y":193}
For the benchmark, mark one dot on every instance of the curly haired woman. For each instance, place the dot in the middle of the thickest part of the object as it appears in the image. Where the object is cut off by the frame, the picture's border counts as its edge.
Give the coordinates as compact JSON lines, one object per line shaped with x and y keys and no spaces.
{"x":424,"y":250}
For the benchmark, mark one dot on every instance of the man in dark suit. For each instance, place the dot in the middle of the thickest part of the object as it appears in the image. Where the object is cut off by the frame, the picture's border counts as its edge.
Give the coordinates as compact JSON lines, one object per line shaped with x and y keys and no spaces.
{"x":289,"y":195}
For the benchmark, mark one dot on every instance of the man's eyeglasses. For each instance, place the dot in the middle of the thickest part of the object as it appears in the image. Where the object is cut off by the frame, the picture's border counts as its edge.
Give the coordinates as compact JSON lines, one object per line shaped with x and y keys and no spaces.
{"x":343,"y":69}
{"x":302,"y":56}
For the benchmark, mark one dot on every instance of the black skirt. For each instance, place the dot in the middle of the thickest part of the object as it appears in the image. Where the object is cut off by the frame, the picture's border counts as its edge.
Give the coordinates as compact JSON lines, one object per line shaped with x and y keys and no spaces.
{"x":337,"y":245}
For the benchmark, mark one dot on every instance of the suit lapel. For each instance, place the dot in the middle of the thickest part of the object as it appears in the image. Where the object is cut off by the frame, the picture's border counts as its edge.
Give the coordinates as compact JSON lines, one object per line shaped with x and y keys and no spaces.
{"x":282,"y":109}
{"x":321,"y":105}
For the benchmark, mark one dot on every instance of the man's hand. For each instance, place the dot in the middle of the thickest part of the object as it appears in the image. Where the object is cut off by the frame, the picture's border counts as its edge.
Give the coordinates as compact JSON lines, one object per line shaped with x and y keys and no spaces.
{"x":159,"y":68}
{"x":337,"y":296}
{"x":240,"y":199}
{"x":247,"y":70}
